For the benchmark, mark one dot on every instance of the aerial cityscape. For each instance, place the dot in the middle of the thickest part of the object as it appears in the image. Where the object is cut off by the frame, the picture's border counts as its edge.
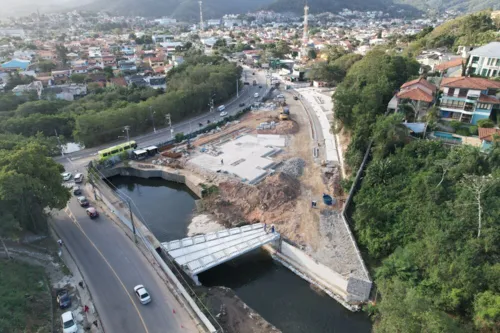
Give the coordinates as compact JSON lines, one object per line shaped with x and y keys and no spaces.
{"x":250,"y":167}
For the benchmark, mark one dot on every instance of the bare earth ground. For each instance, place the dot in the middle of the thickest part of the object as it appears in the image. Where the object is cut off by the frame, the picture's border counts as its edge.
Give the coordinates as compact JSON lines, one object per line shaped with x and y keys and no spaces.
{"x":234,"y":315}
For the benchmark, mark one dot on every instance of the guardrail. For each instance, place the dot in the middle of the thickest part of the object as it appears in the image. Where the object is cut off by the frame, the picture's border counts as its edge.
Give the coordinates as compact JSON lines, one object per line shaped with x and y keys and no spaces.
{"x":209,"y":324}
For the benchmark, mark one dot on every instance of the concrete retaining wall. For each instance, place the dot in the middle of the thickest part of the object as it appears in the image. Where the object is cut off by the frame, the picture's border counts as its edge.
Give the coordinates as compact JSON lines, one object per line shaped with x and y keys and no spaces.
{"x":172,"y":176}
{"x":304,"y":262}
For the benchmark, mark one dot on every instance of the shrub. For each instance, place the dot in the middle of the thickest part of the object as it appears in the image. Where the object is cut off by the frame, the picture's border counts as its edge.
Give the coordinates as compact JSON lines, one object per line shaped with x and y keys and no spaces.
{"x":473,"y":130}
{"x":486,"y":123}
{"x":179,"y":137}
{"x":463,"y":131}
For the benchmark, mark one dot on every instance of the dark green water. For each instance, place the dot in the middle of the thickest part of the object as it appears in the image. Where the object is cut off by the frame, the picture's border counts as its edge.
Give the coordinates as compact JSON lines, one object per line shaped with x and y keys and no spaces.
{"x":277,"y":294}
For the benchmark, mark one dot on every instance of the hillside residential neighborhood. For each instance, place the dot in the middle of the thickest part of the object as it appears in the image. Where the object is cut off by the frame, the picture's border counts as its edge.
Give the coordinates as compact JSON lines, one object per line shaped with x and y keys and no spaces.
{"x":250,"y":172}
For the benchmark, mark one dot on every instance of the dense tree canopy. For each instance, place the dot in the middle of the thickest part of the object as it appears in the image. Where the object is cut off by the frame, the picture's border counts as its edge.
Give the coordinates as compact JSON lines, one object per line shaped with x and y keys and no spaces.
{"x":364,"y":94}
{"x":417,"y":215}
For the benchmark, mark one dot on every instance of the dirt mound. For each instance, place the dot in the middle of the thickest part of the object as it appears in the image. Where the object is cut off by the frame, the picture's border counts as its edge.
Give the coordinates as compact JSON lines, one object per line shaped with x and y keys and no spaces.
{"x":282,"y":127}
{"x":271,"y":201}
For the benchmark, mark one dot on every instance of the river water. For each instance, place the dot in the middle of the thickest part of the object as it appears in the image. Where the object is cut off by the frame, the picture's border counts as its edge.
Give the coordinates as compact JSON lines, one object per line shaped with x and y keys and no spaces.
{"x":281,"y":297}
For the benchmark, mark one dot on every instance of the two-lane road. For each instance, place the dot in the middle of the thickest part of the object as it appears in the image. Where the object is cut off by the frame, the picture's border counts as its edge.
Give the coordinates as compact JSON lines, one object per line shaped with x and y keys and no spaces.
{"x":190,"y":125}
{"x":112,"y":265}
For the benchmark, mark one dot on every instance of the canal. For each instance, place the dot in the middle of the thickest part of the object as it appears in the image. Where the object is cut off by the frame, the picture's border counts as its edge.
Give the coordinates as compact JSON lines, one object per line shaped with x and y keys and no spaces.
{"x":277,"y":294}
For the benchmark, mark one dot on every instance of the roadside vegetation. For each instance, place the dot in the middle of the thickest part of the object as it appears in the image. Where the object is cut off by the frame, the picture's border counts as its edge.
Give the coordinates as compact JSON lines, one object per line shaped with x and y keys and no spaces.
{"x":100,"y":116}
{"x":26,"y":298}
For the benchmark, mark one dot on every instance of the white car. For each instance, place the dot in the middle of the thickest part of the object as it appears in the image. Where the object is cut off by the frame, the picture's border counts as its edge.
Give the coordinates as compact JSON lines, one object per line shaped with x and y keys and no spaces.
{"x":223,"y":114}
{"x":66,"y":176}
{"x":256,"y":95}
{"x":142,"y":294}
{"x":68,"y":323}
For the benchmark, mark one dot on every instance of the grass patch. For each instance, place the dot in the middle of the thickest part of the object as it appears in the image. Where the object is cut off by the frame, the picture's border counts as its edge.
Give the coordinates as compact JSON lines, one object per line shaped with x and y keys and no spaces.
{"x":25,"y":298}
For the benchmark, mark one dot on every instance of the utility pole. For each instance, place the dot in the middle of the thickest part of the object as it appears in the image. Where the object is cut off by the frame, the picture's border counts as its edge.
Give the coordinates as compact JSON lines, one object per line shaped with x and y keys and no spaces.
{"x":59,"y":141}
{"x":127,"y":129}
{"x":168,"y":120}
{"x":152,"y":114}
{"x":132,"y":221}
{"x":237,"y":88}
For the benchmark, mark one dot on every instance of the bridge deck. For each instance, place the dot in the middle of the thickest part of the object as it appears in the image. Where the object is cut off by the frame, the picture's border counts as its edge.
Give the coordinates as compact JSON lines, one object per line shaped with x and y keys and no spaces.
{"x":200,"y":253}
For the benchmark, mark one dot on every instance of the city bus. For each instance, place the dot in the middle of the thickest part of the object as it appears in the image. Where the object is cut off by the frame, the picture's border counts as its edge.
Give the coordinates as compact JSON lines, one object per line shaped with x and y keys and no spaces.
{"x":116,"y":150}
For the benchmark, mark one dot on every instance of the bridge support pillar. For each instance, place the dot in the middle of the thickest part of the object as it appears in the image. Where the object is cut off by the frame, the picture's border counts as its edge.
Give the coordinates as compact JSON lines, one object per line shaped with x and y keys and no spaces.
{"x":195,"y":280}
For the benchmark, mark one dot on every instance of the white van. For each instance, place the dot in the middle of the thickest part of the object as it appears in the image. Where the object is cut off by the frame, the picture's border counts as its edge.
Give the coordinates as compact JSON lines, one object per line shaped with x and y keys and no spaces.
{"x":221,"y":108}
{"x":256,"y":95}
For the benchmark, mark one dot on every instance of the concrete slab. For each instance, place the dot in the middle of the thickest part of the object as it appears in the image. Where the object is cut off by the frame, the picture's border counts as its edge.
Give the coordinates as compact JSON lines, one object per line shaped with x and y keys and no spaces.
{"x":200,"y":253}
{"x":246,"y":157}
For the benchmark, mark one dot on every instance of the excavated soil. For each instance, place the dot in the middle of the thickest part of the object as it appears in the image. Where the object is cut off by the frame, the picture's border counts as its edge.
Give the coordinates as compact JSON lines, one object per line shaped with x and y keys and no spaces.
{"x":271,"y":201}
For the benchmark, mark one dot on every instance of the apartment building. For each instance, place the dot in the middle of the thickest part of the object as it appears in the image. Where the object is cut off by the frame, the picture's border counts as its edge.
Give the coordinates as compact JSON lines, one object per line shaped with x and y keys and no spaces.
{"x":485,"y":60}
{"x":469,"y":99}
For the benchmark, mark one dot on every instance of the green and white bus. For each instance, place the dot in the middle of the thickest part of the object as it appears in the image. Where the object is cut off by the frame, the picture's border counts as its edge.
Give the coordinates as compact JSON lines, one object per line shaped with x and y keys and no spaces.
{"x":117,"y":150}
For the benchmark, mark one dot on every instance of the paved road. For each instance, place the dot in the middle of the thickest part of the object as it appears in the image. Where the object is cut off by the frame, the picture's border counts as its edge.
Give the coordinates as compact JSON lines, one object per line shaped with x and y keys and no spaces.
{"x":187,"y":126}
{"x":111,"y":266}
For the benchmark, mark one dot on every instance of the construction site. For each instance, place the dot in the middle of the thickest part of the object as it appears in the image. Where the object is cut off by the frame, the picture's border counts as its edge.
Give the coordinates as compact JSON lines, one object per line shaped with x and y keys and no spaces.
{"x":273,"y":166}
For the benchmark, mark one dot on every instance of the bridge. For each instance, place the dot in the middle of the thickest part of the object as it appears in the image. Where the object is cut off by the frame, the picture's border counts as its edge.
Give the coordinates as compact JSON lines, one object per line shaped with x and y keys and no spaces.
{"x":200,"y":253}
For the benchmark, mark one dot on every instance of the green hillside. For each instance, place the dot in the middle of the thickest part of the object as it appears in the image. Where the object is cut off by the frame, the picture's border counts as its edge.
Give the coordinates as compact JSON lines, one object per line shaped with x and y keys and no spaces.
{"x":473,"y":29}
{"x":319,"y":6}
{"x":460,"y":5}
{"x":185,"y":10}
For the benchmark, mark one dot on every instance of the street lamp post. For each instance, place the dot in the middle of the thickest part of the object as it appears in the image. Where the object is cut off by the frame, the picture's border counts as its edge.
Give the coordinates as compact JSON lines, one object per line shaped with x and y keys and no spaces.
{"x":127,"y":129}
{"x":152,"y":114}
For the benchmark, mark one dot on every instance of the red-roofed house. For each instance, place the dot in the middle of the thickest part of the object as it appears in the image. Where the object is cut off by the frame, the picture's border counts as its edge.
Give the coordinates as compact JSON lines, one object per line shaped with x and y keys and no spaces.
{"x":418,"y":94}
{"x":452,"y":68}
{"x":487,"y":136}
{"x":469,"y":99}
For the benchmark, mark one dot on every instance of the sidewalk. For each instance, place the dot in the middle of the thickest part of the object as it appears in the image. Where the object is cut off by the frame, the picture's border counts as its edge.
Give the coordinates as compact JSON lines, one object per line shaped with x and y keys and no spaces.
{"x":85,"y":298}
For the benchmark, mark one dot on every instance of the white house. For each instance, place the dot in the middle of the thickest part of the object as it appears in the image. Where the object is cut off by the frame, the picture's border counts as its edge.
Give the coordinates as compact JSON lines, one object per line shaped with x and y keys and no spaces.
{"x":485,"y":60}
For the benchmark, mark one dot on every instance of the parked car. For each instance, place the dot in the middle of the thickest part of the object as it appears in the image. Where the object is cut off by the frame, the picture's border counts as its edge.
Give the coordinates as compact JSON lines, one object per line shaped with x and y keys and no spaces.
{"x":142,"y":294}
{"x":92,"y":212}
{"x":79,"y":178}
{"x":221,"y":108}
{"x":83,"y":201}
{"x":242,"y":104}
{"x":77,"y":190}
{"x":63,"y":299}
{"x":66,"y":176}
{"x":246,"y":83}
{"x":68,"y":323}
{"x":256,"y":95}
{"x":223,"y":114}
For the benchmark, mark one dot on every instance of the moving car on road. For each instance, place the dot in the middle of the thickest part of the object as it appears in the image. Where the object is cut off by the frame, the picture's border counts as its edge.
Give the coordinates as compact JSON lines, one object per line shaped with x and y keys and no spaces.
{"x":83,"y":201}
{"x":256,"y":95}
{"x":63,"y":299}
{"x":92,"y":212}
{"x":66,"y":176}
{"x":296,"y":98}
{"x":242,"y":104}
{"x":142,"y":294}
{"x":223,"y":114}
{"x":68,"y":323}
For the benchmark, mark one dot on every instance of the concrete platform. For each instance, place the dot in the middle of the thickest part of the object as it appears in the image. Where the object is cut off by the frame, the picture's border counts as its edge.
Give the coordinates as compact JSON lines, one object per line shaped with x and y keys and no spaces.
{"x":200,"y":253}
{"x":246,"y":157}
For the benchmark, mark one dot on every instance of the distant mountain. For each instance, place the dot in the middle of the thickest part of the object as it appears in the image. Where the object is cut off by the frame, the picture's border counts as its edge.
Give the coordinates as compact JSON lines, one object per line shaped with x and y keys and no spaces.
{"x":186,"y":10}
{"x":459,"y":5}
{"x":319,"y":6}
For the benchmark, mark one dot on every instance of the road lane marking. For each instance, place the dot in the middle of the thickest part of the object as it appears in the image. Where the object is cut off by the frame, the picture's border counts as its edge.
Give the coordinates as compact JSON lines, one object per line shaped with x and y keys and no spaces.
{"x":75,"y":221}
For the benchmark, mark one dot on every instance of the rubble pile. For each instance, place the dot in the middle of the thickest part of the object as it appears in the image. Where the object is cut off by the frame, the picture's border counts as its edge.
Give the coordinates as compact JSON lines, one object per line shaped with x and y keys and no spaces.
{"x":293,"y":167}
{"x":272,"y":201}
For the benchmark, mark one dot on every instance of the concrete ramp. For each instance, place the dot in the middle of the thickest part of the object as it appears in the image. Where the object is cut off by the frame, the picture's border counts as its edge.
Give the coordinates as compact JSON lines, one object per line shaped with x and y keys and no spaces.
{"x":200,"y":253}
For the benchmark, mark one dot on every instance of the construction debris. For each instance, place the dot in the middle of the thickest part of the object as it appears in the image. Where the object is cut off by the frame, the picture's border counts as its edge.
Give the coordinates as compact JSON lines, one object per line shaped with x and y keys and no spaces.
{"x":293,"y":167}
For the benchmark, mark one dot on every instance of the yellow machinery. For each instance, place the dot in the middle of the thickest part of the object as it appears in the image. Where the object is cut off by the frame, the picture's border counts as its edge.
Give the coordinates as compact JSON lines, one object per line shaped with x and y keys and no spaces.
{"x":284,"y":113}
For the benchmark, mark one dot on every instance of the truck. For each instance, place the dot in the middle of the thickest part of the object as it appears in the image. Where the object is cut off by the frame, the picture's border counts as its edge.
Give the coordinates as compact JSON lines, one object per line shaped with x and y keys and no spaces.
{"x":254,"y":82}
